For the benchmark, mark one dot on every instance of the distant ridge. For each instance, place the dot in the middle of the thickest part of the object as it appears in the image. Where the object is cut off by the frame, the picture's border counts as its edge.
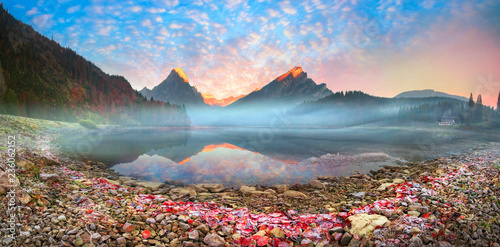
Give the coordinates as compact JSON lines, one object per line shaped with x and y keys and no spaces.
{"x":211,"y":100}
{"x":428,"y":93}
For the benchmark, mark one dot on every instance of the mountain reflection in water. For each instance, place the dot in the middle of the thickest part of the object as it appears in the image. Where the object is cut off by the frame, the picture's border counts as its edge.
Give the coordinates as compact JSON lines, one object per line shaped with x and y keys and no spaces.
{"x":235,"y":156}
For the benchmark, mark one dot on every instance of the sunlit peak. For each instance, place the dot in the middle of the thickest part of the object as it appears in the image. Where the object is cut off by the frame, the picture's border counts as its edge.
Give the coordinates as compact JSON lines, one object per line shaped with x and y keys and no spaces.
{"x":181,"y":73}
{"x":295,"y":72}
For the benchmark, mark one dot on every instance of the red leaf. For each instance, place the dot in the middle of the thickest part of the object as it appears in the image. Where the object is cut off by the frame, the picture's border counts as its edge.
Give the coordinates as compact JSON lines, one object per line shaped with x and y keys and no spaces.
{"x":146,"y":234}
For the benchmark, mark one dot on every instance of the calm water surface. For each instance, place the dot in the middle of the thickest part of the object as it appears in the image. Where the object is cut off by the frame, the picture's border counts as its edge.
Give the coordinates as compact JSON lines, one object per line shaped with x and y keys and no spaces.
{"x":235,"y":156}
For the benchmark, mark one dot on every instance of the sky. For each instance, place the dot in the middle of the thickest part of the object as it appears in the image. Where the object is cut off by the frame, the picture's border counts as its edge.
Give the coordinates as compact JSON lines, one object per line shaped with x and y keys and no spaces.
{"x":228,"y":48}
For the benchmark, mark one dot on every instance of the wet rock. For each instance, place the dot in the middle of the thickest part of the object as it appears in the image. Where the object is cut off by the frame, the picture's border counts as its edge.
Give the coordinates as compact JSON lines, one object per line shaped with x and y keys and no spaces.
{"x":214,"y":240}
{"x":363,"y":224}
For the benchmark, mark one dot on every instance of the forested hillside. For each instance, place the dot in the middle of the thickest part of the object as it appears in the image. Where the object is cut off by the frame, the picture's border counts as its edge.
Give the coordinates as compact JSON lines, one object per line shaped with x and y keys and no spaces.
{"x":41,"y":79}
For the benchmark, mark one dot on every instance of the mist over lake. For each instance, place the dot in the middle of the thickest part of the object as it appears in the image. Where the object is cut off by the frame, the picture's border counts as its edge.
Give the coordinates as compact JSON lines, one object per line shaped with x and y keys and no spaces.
{"x":236,"y":156}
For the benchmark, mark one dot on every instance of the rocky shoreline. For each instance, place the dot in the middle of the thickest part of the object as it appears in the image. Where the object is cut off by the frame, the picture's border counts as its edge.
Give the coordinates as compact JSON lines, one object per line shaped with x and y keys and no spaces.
{"x":449,"y":201}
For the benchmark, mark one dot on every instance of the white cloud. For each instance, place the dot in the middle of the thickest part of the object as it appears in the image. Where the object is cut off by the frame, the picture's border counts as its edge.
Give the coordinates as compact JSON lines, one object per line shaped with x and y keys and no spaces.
{"x":285,"y":6}
{"x":136,"y":8}
{"x":146,"y":23}
{"x":175,"y":26}
{"x":171,"y":3}
{"x":32,"y":11}
{"x":19,"y":6}
{"x":44,"y":21}
{"x":156,"y":10}
{"x":273,"y":13}
{"x":73,"y":9}
{"x":105,"y":31}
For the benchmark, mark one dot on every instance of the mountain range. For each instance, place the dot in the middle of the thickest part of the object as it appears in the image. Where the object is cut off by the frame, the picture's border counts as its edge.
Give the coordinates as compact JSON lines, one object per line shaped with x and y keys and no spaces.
{"x":41,"y":79}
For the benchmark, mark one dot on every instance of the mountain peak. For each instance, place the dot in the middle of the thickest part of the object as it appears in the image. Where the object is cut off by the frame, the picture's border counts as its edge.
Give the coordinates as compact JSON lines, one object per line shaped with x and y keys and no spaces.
{"x":182,"y":74}
{"x":295,"y":72}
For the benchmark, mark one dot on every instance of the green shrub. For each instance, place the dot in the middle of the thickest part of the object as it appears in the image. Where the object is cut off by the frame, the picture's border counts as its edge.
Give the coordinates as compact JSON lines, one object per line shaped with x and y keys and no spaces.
{"x":87,"y":123}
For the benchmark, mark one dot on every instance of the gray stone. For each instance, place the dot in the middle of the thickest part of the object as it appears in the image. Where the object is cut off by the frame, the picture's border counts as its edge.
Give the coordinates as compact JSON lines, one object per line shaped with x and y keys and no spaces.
{"x":346,"y":239}
{"x":416,"y":241}
{"x":214,"y":240}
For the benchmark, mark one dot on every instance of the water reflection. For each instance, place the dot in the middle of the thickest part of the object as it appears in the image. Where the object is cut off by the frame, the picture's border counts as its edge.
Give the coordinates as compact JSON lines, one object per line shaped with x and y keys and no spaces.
{"x":235,"y":156}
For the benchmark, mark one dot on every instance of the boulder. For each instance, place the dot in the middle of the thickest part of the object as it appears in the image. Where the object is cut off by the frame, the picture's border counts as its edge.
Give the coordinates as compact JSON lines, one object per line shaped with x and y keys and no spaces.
{"x":282,"y":187}
{"x":364,"y":224}
{"x":317,"y":184}
{"x":293,"y":194}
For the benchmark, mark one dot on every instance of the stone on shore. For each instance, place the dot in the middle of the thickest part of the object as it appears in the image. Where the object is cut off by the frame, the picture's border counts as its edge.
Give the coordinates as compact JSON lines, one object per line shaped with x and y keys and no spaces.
{"x":49,"y":178}
{"x":363,"y":224}
{"x":214,"y":240}
{"x":317,"y":184}
{"x":294,"y":194}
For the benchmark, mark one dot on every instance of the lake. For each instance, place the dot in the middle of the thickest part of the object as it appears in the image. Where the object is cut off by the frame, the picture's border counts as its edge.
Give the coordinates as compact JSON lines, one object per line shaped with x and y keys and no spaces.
{"x":236,"y":156}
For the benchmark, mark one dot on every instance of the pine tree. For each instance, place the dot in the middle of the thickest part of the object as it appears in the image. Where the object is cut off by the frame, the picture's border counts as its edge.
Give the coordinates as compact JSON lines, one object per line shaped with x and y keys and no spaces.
{"x":471,"y":101}
{"x":470,"y":110}
{"x":498,"y":102}
{"x":479,"y":109}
